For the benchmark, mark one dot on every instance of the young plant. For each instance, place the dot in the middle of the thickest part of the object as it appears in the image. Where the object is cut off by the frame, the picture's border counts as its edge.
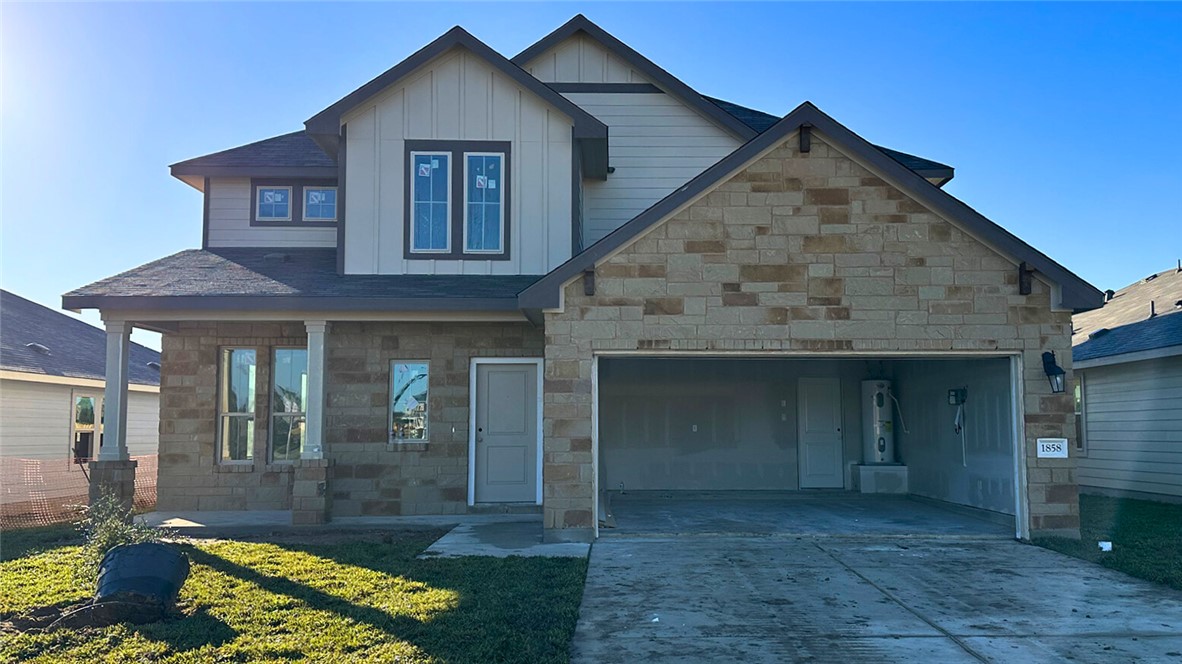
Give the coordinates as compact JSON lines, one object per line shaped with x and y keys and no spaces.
{"x":104,"y":525}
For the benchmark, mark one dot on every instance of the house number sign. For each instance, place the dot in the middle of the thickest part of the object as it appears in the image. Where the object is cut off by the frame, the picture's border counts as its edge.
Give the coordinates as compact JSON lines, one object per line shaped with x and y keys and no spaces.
{"x":1052,"y":448}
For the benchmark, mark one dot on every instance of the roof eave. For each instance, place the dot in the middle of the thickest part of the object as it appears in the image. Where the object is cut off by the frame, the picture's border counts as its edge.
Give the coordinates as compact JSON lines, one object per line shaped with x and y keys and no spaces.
{"x":1075,"y":293}
{"x":663,"y":79}
{"x":325,"y":126}
{"x":181,"y":170}
{"x":239,"y":303}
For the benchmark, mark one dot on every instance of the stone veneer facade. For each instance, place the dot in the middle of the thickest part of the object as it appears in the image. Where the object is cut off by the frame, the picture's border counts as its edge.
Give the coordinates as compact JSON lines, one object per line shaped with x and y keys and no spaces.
{"x":806,"y":254}
{"x":365,"y":475}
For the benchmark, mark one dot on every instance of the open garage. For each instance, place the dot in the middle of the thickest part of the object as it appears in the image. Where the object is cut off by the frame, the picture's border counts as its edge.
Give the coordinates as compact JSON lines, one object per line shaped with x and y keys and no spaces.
{"x":831,"y":438}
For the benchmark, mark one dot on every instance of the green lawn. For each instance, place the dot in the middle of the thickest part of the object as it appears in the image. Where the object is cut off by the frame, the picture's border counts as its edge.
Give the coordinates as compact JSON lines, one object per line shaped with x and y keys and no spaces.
{"x":1146,"y":537}
{"x":363,"y":599}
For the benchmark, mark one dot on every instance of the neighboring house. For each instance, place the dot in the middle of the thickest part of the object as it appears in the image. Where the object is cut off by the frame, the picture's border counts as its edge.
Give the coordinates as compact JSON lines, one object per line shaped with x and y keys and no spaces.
{"x":1128,"y":391}
{"x":479,"y":281}
{"x":51,"y":385}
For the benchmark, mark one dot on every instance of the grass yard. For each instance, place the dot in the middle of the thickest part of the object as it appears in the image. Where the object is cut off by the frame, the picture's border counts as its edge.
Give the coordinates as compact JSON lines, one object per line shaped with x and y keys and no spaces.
{"x":365,"y":598}
{"x":1146,"y":537}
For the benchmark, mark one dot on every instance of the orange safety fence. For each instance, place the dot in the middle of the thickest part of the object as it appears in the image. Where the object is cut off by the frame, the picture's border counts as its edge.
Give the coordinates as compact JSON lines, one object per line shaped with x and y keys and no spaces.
{"x":40,"y":492}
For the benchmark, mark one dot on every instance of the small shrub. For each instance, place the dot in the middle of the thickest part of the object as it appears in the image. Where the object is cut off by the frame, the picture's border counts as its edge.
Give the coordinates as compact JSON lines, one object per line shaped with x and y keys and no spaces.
{"x":104,"y":525}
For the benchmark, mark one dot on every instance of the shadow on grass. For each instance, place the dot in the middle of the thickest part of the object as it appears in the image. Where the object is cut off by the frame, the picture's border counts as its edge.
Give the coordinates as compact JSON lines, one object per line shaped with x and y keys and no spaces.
{"x":397,"y":626}
{"x":20,"y":542}
{"x":512,"y":609}
{"x":189,"y":632}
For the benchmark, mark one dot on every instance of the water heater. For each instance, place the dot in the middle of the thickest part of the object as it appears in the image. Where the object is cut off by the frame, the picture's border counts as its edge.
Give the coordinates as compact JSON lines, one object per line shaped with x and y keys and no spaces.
{"x":878,"y":422}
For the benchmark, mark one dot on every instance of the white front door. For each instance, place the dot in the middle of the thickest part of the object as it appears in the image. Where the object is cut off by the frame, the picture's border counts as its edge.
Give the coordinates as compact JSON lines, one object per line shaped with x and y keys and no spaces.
{"x":506,"y":436}
{"x":819,"y":416}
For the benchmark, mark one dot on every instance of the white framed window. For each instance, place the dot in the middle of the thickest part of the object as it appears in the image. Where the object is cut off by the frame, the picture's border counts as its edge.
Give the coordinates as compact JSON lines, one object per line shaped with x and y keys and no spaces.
{"x":236,"y":400}
{"x":320,"y":204}
{"x":430,"y":203}
{"x":272,"y":204}
{"x":409,"y":387}
{"x":484,"y":202}
{"x":289,"y":398}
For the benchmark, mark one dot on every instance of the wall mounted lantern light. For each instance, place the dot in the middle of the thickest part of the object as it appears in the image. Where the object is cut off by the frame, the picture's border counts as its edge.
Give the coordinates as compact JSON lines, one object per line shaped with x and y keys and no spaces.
{"x":1055,"y":373}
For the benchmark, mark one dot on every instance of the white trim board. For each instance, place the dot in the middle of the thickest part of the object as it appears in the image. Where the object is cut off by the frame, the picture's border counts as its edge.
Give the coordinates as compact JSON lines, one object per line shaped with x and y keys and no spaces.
{"x":74,"y":382}
{"x":539,"y":363}
{"x":1125,"y":358}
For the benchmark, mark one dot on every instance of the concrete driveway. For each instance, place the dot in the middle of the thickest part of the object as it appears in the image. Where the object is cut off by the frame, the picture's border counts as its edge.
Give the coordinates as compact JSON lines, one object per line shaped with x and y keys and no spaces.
{"x":880,"y":599}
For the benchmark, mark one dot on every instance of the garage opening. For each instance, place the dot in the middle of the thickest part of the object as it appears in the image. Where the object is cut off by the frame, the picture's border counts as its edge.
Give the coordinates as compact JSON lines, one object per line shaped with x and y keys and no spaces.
{"x":797,"y":444}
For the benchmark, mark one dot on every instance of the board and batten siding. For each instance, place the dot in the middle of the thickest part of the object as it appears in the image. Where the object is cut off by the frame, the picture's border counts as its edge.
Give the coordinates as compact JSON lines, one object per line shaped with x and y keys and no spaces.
{"x":35,"y":419}
{"x":229,"y":221}
{"x":1133,"y":417}
{"x":580,"y":59}
{"x":457,"y":96}
{"x":656,"y":145}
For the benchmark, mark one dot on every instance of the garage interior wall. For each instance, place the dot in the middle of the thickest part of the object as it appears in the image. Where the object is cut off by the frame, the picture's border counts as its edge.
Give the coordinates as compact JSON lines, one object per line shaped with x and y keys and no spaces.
{"x":932,"y":450}
{"x":731,"y":424}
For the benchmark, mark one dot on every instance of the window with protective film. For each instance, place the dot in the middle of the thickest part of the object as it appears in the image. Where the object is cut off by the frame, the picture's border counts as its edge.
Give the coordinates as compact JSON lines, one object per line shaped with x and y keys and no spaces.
{"x":483,"y":206}
{"x":408,"y":401}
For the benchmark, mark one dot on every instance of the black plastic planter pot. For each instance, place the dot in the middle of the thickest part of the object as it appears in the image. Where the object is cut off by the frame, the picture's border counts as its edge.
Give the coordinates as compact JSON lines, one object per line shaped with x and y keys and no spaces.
{"x":148,"y":572}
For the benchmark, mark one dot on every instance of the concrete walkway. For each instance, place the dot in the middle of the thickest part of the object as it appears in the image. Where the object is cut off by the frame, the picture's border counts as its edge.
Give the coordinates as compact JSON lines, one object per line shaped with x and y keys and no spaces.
{"x":880,"y":599}
{"x":497,"y":535}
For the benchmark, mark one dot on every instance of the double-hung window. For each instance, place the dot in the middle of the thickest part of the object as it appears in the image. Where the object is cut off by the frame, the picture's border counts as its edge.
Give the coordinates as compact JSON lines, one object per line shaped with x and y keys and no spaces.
{"x":294,"y":202}
{"x":320,"y":204}
{"x":430,"y":202}
{"x":289,"y":398}
{"x":273,"y":204}
{"x":236,"y":400}
{"x":457,"y":200}
{"x":484,"y":188}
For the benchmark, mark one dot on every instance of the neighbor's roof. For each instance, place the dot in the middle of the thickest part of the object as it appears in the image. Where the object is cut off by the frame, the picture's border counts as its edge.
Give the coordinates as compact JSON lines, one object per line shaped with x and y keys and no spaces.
{"x":73,"y":348}
{"x":1124,"y":323}
{"x":761,"y":122}
{"x":1076,"y":293}
{"x":289,"y":279}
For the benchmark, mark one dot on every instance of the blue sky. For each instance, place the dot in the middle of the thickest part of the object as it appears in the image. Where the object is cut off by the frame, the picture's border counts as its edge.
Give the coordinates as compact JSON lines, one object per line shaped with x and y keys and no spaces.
{"x":1064,"y":121}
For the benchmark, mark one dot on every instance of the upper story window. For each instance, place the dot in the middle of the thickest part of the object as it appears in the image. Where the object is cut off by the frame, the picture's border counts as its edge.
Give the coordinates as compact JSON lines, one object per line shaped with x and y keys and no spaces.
{"x":483,"y":190}
{"x":458,"y":201}
{"x":320,"y":203}
{"x":273,"y":204}
{"x":430,"y":202}
{"x":293,"y":203}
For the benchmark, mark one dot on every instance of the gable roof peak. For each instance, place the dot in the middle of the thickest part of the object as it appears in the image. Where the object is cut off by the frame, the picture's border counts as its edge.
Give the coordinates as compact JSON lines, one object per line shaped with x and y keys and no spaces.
{"x":654,"y":72}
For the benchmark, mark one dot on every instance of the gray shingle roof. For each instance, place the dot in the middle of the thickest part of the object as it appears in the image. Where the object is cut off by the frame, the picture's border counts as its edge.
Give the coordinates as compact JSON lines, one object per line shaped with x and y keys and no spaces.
{"x":287,"y":278}
{"x":76,"y":349}
{"x":760,"y":121}
{"x":296,"y":149}
{"x":1126,"y":319}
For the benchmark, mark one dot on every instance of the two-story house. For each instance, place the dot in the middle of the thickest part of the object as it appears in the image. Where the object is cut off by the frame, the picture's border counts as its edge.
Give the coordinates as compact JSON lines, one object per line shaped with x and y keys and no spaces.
{"x":483,"y":281}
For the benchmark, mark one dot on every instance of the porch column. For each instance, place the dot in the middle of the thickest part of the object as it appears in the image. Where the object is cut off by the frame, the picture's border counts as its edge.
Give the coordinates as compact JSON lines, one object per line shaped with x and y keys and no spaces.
{"x":313,"y":443}
{"x":113,"y":472}
{"x":310,"y":496}
{"x":114,"y":426}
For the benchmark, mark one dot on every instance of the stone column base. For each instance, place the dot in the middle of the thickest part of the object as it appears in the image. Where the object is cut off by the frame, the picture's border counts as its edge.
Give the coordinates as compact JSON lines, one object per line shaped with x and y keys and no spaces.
{"x":310,"y":497}
{"x":116,"y":478}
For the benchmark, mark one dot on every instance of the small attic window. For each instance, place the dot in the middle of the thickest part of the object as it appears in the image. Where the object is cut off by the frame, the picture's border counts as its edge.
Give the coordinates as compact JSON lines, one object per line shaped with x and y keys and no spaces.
{"x":154,"y":365}
{"x":40,"y":348}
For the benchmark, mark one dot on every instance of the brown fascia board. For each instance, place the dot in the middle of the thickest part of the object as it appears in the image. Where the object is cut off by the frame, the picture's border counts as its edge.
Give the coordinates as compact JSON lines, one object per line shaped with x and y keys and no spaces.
{"x":663,"y":79}
{"x":328,"y":121}
{"x":1076,"y":293}
{"x":182,"y":169}
{"x":284,"y":303}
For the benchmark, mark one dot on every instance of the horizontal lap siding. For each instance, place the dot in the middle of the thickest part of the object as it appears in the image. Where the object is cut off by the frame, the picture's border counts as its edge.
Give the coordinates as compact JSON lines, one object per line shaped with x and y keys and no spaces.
{"x":1134,"y":427}
{"x":229,"y":221}
{"x":656,"y":145}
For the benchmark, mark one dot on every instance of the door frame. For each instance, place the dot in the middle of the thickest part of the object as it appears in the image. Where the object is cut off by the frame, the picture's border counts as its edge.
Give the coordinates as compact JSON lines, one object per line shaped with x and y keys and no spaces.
{"x":539,"y":364}
{"x":842,"y":473}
